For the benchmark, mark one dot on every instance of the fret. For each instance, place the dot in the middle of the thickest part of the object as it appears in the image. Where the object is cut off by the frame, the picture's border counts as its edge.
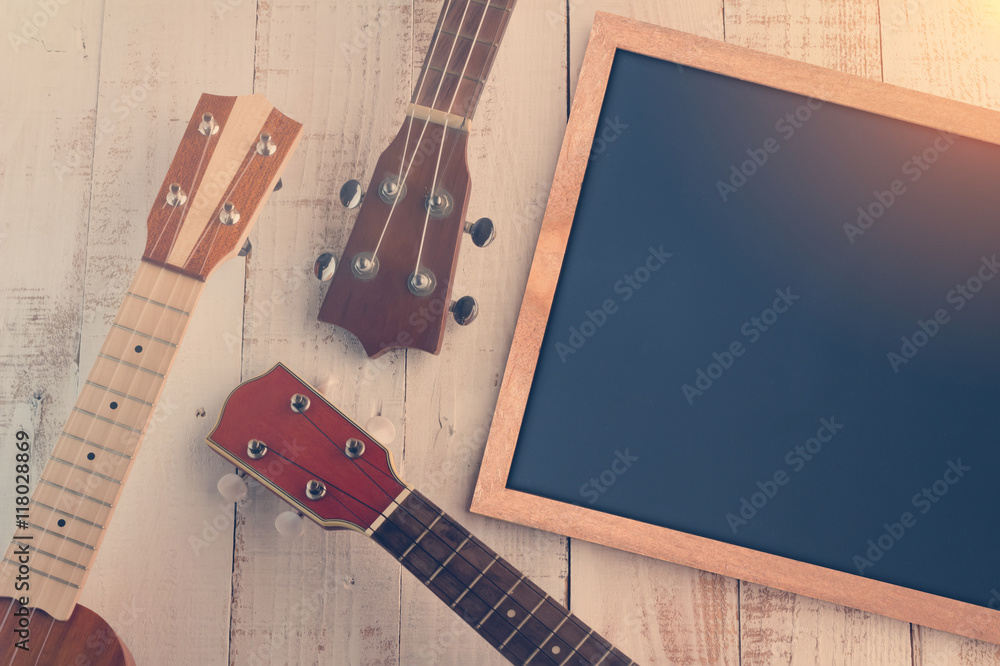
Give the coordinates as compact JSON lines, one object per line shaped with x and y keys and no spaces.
{"x":95,"y":445}
{"x":67,"y":539}
{"x":114,"y":407}
{"x":125,"y":379}
{"x":82,"y":468}
{"x":78,"y":529}
{"x":166,"y":286}
{"x":513,"y":614}
{"x":157,"y":303}
{"x":144,"y":335}
{"x":65,"y":548}
{"x":80,"y":482}
{"x":55,"y":498}
{"x":75,"y":586}
{"x":112,"y":391}
{"x":55,"y":557}
{"x":464,"y":44}
{"x":138,"y":315}
{"x":71,"y":573}
{"x":105,"y":419}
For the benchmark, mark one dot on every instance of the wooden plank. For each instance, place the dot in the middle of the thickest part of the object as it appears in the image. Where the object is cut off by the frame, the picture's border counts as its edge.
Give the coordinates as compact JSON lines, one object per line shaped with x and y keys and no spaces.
{"x":166,"y":563}
{"x":947,"y":49}
{"x":45,"y":174}
{"x":513,"y":147}
{"x":343,"y":70}
{"x":664,"y":613}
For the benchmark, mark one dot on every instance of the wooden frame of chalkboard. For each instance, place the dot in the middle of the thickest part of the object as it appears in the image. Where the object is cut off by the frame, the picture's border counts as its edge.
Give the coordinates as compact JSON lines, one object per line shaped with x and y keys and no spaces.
{"x":493,"y":497}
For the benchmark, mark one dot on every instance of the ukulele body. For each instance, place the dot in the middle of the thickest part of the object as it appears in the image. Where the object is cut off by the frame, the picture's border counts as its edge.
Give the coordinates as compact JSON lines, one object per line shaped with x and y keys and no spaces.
{"x":84,"y":639}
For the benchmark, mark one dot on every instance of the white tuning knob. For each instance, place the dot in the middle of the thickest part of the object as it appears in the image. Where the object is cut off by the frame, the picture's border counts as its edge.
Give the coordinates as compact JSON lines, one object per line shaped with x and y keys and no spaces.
{"x":288,"y":523}
{"x":328,"y":386}
{"x":381,"y":429}
{"x":232,"y":487}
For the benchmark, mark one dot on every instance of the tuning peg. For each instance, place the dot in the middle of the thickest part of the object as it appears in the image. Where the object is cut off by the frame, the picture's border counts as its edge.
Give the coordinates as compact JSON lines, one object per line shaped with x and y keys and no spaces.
{"x":351,"y":194}
{"x":481,"y":231}
{"x":464,"y":310}
{"x":328,"y":385}
{"x":325,"y":266}
{"x":277,"y":186}
{"x":245,"y":250}
{"x":232,"y":487}
{"x":288,"y":523}
{"x":381,"y":429}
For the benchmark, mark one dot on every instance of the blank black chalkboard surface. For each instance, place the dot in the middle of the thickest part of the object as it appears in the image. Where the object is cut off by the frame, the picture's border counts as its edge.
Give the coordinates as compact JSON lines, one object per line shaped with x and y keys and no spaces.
{"x":760,"y":335}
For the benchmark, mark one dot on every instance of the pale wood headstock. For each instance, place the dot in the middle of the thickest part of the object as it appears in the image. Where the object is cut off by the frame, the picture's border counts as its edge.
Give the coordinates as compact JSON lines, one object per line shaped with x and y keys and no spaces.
{"x":218,"y":182}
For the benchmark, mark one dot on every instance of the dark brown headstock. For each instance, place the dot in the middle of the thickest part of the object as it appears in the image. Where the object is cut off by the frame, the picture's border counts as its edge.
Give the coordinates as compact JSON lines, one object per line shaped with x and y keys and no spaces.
{"x":218,"y":182}
{"x":374,"y":292}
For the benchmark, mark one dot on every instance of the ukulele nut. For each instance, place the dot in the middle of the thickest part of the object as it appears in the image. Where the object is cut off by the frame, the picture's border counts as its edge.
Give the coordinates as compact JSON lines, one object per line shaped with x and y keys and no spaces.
{"x":208,"y":126}
{"x":229,"y":215}
{"x":256,"y":449}
{"x":354,"y":448}
{"x":315,"y":490}
{"x":364,"y":266}
{"x":391,"y":190}
{"x":300,"y":403}
{"x":176,"y":196}
{"x":422,"y":283}
{"x":265,"y":146}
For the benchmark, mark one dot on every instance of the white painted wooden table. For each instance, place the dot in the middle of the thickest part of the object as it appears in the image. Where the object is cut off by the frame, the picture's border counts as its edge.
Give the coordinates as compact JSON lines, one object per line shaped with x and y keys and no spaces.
{"x":94,"y":97}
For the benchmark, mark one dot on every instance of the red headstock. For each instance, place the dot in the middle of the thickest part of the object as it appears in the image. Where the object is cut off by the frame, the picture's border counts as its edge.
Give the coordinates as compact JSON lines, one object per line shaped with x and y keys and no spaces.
{"x":229,"y":161}
{"x":317,"y":443}
{"x":392,"y":287}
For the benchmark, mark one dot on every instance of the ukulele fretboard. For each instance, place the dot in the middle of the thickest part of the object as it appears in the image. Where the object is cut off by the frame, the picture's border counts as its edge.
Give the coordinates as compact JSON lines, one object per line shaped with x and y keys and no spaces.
{"x":513,"y":614}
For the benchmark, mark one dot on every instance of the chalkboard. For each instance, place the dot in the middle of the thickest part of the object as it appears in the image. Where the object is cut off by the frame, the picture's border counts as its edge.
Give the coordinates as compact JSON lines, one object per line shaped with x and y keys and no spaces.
{"x":773,"y":331}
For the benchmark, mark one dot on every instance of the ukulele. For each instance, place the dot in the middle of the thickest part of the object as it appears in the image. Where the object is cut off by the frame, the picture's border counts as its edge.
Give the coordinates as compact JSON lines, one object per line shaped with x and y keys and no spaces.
{"x":392,"y":288}
{"x":229,"y":161}
{"x":280,"y":431}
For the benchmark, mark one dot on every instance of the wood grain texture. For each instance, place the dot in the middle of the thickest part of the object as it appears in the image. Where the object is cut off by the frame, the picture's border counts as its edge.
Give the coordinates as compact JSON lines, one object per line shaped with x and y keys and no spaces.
{"x":347,"y":69}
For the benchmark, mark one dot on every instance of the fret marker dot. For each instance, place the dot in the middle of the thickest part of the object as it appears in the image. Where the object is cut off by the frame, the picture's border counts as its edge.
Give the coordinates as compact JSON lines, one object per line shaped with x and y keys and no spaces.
{"x":556,"y":649}
{"x":91,"y":456}
{"x":138,"y":349}
{"x":114,"y":405}
{"x":511,"y":613}
{"x":62,"y":523}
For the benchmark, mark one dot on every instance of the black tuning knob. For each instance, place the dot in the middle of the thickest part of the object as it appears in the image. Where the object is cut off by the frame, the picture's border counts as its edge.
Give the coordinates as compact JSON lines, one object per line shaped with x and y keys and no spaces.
{"x":351,"y":194}
{"x":277,"y":186}
{"x":481,"y":231}
{"x":464,"y":310}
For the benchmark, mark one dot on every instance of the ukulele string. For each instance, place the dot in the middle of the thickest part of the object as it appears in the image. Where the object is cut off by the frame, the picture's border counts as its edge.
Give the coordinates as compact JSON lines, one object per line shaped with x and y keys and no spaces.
{"x":185,"y":207}
{"x":454,"y":551}
{"x":423,"y":78}
{"x":451,"y":105}
{"x":125,"y":461}
{"x":216,"y":222}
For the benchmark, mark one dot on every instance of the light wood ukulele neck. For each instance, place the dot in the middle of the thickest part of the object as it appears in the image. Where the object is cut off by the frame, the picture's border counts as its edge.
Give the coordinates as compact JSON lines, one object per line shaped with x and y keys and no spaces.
{"x":230,"y":158}
{"x":80,"y":485}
